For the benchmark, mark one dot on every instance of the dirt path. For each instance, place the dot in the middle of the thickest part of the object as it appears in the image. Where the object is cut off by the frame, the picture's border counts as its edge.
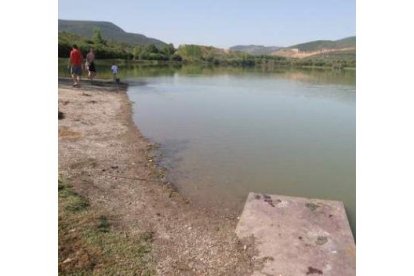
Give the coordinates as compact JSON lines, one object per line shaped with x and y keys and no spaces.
{"x":107,"y":160}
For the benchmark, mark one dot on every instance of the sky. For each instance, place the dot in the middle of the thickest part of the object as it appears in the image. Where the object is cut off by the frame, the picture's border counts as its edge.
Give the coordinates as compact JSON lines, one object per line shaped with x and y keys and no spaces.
{"x":222,"y":23}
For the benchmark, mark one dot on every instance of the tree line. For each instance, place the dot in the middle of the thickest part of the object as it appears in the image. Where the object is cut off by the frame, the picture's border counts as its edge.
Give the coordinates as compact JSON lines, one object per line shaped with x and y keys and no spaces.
{"x":106,"y":49}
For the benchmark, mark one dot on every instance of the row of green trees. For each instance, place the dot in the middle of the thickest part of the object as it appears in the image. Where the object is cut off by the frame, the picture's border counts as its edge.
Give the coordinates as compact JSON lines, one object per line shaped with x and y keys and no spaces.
{"x":151,"y":52}
{"x":105,"y":49}
{"x":337,"y":60}
{"x":110,"y":50}
{"x":318,"y":62}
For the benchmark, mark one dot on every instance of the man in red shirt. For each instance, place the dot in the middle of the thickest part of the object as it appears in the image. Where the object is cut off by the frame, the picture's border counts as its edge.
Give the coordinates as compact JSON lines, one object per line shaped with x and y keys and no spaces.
{"x":76,"y":63}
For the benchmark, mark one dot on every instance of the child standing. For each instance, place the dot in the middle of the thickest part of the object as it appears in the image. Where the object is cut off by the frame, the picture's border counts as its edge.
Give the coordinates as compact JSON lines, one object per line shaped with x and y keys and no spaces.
{"x":114,"y":70}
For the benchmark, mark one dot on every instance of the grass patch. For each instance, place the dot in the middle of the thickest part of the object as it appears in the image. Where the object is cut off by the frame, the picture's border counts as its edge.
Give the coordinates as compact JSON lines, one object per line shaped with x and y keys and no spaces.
{"x":88,"y":245}
{"x":73,"y":201}
{"x":147,"y":236}
{"x":103,"y":224}
{"x":77,"y":204}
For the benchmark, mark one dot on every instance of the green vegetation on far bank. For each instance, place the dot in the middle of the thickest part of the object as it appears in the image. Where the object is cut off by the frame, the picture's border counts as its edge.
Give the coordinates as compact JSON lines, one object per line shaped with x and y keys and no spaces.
{"x":194,"y":54}
{"x":89,"y":244}
{"x":348,"y":42}
{"x":103,"y":49}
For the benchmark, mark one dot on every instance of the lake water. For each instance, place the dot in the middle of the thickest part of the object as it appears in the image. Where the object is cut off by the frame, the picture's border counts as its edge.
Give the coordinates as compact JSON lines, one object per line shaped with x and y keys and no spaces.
{"x":224,"y":133}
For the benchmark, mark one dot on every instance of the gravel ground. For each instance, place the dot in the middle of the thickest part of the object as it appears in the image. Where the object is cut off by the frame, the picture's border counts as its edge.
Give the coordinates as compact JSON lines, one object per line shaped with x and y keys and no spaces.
{"x":107,"y":160}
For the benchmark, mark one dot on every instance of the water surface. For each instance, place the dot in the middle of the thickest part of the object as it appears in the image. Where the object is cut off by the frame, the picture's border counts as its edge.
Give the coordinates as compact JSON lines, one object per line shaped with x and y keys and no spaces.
{"x":224,"y":133}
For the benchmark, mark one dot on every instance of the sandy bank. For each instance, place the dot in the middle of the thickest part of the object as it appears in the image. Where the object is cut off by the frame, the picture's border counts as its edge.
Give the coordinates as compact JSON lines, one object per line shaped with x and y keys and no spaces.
{"x":106,"y":159}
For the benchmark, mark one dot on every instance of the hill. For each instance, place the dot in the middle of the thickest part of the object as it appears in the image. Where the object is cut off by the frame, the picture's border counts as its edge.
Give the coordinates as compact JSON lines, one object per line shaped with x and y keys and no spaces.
{"x":349,"y":42}
{"x":302,"y":50}
{"x":255,"y":49}
{"x":318,"y":47}
{"x":108,"y":30}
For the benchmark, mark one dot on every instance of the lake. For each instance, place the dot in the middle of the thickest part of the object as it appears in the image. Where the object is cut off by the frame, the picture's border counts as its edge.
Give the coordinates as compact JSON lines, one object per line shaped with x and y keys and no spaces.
{"x":224,"y":132}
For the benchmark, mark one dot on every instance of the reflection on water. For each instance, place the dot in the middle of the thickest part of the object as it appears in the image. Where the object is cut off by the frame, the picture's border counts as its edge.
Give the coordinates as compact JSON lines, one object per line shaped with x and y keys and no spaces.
{"x":225,"y":132}
{"x":134,"y":71}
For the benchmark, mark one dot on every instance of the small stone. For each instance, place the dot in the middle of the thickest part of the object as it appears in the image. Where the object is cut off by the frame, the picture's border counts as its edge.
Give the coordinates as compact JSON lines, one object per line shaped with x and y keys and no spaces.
{"x":321,"y":240}
{"x":245,"y":247}
{"x":67,"y":260}
{"x":312,"y":206}
{"x":61,"y":115}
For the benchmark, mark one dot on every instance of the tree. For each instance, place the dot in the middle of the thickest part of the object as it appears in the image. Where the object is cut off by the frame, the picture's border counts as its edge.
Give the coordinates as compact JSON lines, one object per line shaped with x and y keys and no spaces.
{"x":152,"y":49}
{"x":190,"y":52}
{"x":176,"y":57}
{"x":137,"y":52}
{"x":168,"y":50}
{"x":97,"y":37}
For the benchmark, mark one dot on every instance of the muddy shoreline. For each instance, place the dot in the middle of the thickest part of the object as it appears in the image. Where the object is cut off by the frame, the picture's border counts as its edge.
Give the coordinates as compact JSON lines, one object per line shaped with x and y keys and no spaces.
{"x":106,"y":159}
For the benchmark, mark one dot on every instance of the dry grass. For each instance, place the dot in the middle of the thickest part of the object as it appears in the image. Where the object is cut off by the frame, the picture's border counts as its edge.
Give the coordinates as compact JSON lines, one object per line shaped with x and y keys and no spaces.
{"x":88,"y":244}
{"x":67,"y":133}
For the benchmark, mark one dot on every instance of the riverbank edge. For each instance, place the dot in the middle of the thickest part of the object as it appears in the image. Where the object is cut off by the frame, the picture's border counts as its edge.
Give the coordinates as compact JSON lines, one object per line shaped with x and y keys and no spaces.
{"x":157,"y":63}
{"x":166,"y":191}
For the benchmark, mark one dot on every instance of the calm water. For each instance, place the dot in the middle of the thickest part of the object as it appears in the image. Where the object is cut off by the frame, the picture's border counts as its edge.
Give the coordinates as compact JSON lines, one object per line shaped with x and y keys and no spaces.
{"x":226,"y":133}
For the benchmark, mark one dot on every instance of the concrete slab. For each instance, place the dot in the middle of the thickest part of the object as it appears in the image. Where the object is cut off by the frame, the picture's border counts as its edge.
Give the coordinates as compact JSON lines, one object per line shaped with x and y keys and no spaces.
{"x":298,"y":236}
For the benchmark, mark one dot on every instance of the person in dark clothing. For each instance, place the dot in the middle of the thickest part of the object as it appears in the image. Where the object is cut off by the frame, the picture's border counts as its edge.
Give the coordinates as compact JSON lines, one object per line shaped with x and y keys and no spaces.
{"x":90,"y":64}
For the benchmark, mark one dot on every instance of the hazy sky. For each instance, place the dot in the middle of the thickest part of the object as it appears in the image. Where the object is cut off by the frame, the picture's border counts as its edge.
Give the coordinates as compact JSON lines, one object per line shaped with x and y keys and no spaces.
{"x":222,"y":23}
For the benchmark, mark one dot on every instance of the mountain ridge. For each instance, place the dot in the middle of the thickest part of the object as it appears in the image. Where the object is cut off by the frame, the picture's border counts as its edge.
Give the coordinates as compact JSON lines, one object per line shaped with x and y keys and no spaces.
{"x":314,"y":45}
{"x":310,"y":47}
{"x":109,"y":31}
{"x":319,"y":48}
{"x":255,"y":49}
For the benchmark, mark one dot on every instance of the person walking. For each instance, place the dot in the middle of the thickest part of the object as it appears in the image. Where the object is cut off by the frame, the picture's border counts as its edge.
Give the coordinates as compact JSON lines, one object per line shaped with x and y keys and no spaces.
{"x":75,"y":62}
{"x":114,"y":70}
{"x":90,"y":64}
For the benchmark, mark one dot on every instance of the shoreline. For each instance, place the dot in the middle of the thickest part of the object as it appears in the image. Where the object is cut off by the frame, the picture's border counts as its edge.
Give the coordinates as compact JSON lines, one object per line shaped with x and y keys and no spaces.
{"x":106,"y":159}
{"x":157,"y":63}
